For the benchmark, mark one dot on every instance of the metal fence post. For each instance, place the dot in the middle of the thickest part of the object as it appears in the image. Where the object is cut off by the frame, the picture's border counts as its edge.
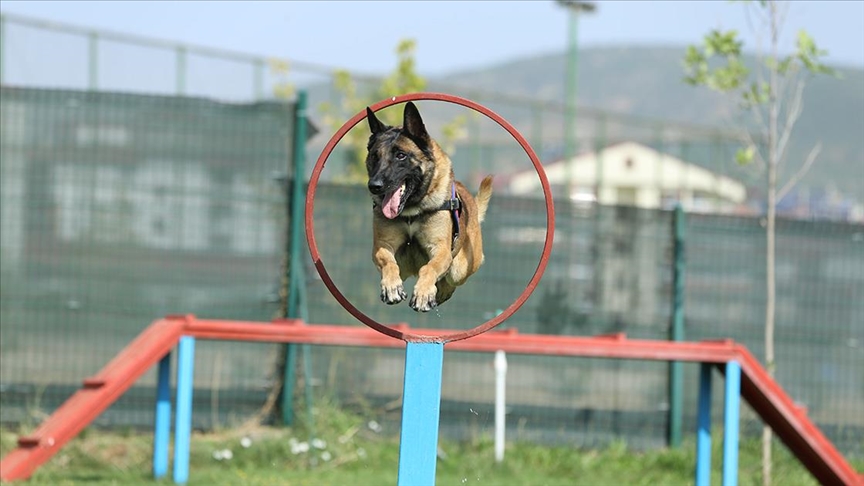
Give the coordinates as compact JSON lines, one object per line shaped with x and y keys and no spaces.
{"x":500,"y":364}
{"x":676,"y":329}
{"x":93,"y":60}
{"x":2,"y":48}
{"x":659,"y":145}
{"x":295,"y":266}
{"x":600,"y":144}
{"x":537,"y":128}
{"x":181,"y":71}
{"x":258,"y":79}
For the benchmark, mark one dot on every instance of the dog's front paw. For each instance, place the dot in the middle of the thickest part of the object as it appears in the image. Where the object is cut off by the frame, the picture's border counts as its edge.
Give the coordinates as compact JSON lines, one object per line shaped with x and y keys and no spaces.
{"x":423,"y":302}
{"x":393,"y":294}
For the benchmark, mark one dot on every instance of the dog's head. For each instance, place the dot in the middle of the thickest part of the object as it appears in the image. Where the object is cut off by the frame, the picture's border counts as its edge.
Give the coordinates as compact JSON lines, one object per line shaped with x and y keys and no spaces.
{"x":400,"y":161}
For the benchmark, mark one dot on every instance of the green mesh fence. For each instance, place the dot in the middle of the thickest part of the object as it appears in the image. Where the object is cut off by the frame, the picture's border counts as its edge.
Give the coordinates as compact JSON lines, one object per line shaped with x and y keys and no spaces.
{"x":610,"y":272}
{"x":119,"y":209}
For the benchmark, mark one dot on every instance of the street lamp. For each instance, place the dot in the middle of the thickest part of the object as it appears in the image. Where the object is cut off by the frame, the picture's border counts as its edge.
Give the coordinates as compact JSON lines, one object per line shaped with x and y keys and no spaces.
{"x":574,"y":7}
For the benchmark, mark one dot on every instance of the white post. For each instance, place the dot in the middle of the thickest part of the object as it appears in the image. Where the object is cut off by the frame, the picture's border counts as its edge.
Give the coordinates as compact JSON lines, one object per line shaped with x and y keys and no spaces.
{"x":500,"y":388}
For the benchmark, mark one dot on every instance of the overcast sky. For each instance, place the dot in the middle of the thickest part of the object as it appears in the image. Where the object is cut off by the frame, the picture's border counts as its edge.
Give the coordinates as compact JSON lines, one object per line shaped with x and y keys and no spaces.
{"x":452,"y":35}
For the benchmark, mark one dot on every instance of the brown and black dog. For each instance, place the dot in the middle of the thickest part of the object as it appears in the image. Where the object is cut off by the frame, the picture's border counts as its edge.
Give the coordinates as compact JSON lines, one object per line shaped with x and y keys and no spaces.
{"x":425,"y":223}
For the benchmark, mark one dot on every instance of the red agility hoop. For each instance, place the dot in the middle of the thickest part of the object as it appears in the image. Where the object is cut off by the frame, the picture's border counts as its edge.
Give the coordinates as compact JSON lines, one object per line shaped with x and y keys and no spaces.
{"x":389,"y":331}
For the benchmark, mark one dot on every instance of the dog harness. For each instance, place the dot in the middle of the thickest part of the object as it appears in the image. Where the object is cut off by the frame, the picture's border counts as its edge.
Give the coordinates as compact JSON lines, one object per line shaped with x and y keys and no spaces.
{"x":454,"y":205}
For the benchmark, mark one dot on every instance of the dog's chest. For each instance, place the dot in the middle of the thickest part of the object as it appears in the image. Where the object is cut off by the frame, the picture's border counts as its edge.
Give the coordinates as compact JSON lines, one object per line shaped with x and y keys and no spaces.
{"x":412,"y":228}
{"x":412,"y":255}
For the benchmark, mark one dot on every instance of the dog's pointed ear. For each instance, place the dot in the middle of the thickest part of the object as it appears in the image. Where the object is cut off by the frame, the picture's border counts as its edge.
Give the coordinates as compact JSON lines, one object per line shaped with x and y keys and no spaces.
{"x":375,"y":125}
{"x":413,"y":124}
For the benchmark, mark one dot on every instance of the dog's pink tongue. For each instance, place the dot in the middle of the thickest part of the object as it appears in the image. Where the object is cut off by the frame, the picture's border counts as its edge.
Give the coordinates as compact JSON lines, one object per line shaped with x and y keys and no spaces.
{"x":390,"y":205}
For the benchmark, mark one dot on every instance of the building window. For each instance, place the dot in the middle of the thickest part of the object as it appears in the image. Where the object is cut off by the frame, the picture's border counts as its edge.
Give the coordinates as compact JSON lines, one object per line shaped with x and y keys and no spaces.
{"x":625,"y":196}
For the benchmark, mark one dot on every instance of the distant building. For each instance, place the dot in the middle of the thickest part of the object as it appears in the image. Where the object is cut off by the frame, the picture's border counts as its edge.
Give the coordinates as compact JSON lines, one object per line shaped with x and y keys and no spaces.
{"x":632,"y":174}
{"x":819,"y":203}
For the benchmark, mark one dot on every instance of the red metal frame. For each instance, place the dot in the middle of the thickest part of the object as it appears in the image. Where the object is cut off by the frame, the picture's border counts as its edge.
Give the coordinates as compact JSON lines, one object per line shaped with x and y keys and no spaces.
{"x":418,"y":336}
{"x":764,"y":395}
{"x":98,"y":393}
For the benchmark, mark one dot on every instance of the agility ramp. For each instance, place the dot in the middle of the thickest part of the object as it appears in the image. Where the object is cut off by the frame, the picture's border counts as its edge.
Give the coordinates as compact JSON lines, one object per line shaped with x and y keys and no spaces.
{"x":99,"y":391}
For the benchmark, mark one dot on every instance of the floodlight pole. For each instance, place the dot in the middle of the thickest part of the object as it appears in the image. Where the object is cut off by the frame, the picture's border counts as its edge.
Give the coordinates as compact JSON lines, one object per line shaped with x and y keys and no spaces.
{"x":573,"y":7}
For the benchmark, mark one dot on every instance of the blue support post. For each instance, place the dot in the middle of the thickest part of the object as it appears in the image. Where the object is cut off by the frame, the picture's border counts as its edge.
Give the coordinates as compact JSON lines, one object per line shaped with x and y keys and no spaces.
{"x":731,"y":416}
{"x":703,"y":427}
{"x":183,"y":425}
{"x":421,"y":408}
{"x":162,"y":422}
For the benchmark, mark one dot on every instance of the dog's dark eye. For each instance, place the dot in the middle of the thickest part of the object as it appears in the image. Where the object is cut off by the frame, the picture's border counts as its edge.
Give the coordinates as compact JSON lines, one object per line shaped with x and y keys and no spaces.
{"x":400,"y":155}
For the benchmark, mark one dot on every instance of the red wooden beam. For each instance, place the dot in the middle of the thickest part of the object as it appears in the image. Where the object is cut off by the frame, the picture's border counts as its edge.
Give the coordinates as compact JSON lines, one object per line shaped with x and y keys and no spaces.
{"x":764,"y":395}
{"x":616,"y":346}
{"x":767,"y":398}
{"x":98,"y":393}
{"x":792,"y":425}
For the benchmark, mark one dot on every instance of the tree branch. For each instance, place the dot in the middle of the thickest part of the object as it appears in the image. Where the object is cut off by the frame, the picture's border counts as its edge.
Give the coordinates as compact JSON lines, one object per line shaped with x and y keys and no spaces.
{"x":755,"y":108}
{"x":757,"y":114}
{"x":801,"y":172}
{"x":792,"y":115}
{"x":748,"y":139}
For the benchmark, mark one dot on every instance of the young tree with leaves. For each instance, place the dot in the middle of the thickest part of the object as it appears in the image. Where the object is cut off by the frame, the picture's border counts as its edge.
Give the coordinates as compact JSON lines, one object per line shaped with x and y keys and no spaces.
{"x":772,"y":92}
{"x":404,"y":79}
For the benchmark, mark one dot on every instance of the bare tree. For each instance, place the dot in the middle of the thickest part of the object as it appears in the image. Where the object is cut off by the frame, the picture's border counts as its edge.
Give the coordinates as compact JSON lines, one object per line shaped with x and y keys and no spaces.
{"x":772,"y":94}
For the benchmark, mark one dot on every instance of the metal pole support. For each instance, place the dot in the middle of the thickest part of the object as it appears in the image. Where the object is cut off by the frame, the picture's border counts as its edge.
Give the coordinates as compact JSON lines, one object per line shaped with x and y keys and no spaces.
{"x":731,"y":416}
{"x":421,"y":409}
{"x":162,"y":422}
{"x":183,"y":418}
{"x":703,"y":427}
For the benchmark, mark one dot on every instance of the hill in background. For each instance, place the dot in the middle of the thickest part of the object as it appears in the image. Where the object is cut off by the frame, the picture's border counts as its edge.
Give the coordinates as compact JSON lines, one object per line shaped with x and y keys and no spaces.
{"x":647,"y":81}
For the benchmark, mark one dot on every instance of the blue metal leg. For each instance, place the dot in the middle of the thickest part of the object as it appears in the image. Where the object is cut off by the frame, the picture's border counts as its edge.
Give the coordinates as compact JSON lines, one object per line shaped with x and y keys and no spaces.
{"x":703,"y":428}
{"x":162,"y":423}
{"x":183,"y":425}
{"x":731,"y":415}
{"x":421,"y":407}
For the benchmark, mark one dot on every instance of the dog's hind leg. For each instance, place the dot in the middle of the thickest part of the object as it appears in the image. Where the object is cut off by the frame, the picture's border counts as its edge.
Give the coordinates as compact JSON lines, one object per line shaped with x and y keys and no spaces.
{"x":445,"y":291}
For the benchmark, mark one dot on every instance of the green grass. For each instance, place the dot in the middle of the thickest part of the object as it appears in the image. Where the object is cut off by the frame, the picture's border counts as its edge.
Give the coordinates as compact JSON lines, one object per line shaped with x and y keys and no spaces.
{"x":356,"y":455}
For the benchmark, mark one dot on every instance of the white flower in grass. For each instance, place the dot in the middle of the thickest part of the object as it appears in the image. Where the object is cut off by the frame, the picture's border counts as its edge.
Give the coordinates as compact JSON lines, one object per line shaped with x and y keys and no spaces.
{"x":326,"y":456}
{"x":245,"y":442}
{"x":299,"y":448}
{"x":223,"y":455}
{"x":319,"y":443}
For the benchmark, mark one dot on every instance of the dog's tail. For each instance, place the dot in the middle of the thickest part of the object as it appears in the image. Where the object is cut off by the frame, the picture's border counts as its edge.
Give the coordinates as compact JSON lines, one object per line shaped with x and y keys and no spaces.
{"x":483,"y":196}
